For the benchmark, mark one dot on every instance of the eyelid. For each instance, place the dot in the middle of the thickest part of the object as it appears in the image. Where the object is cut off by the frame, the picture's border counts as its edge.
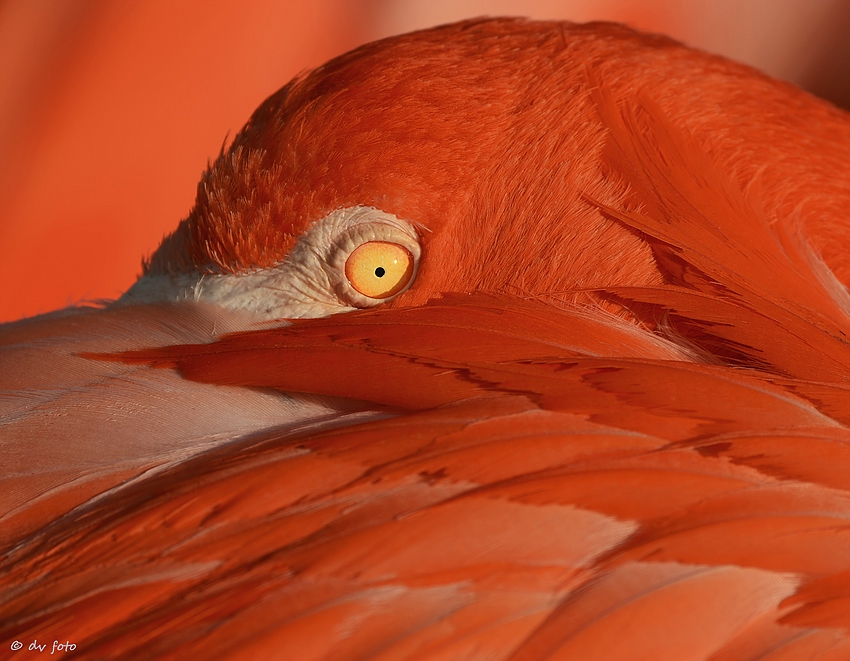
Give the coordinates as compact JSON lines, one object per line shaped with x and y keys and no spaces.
{"x":357,"y":235}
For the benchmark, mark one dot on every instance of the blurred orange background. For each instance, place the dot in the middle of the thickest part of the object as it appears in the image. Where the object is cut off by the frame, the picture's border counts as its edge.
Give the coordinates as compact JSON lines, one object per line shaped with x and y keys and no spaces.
{"x":110,"y":110}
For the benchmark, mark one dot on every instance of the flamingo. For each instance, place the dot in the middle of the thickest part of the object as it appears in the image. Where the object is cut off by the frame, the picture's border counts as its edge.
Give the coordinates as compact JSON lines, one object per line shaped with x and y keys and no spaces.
{"x":500,"y":340}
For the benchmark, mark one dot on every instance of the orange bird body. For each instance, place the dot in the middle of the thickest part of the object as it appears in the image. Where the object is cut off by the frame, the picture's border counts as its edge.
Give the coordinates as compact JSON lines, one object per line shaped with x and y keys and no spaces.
{"x":600,"y":411}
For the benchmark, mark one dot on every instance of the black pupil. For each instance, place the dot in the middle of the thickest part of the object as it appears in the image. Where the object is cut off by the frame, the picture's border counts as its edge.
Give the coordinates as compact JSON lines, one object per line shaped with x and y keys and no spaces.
{"x":380,"y":272}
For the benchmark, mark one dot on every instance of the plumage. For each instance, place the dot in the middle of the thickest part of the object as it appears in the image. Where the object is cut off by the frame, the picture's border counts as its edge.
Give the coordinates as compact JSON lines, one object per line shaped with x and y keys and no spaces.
{"x":606,"y":420}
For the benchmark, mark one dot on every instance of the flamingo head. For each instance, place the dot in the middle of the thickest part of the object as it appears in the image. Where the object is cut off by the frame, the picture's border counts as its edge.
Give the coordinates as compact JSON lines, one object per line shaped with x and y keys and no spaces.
{"x":473,"y":157}
{"x":435,"y":160}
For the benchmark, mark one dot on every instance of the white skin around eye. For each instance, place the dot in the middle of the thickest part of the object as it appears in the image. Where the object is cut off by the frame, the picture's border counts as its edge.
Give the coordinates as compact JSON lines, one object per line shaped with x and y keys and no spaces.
{"x":310,"y":282}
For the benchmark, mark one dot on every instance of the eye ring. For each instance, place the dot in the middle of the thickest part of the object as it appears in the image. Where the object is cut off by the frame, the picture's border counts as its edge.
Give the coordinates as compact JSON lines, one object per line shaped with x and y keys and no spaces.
{"x":379,"y":234}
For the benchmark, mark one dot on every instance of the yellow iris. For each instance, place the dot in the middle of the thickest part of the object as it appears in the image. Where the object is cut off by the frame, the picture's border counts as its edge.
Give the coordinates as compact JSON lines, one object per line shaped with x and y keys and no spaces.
{"x":378,"y":269}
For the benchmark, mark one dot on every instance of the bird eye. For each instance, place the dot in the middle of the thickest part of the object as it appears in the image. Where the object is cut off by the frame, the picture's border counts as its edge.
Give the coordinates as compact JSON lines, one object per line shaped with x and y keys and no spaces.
{"x":379,"y":269}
